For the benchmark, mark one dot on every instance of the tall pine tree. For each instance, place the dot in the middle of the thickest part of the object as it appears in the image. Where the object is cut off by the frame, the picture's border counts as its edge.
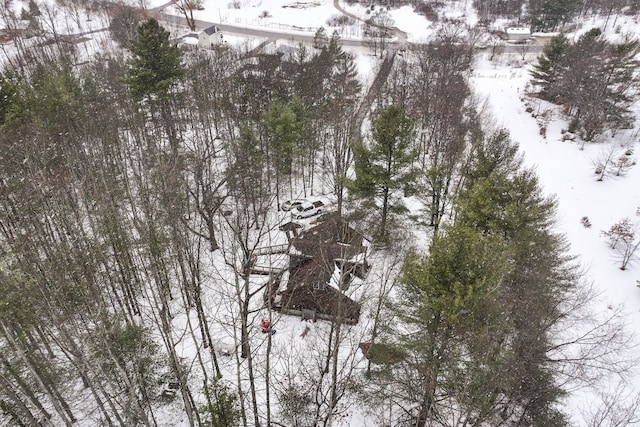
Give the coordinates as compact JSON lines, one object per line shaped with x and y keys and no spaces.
{"x":477,"y":311}
{"x":387,"y":165}
{"x":156,"y":65}
{"x":545,"y":73}
{"x":592,"y":78}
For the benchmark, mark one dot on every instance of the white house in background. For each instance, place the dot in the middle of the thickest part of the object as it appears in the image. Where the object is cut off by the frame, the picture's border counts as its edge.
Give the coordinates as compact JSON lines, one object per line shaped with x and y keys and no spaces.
{"x":209,"y":37}
{"x":515,"y":34}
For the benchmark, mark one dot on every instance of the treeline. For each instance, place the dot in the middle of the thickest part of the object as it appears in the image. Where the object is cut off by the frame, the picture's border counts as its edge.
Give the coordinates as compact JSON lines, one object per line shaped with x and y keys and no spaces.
{"x":133,"y":189}
{"x":539,"y":15}
{"x":549,"y":15}
{"x":593,"y":79}
{"x":114,"y":179}
{"x":476,"y":316}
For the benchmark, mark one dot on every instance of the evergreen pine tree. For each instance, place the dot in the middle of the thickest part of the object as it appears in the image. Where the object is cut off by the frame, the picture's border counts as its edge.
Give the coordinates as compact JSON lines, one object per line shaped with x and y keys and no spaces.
{"x":156,"y":65}
{"x":284,"y":126}
{"x":450,"y":303}
{"x":593,"y":78}
{"x":320,"y":39}
{"x":545,"y":72}
{"x":387,"y":164}
{"x":222,"y":407}
{"x":9,"y":91}
{"x":344,"y":85}
{"x":504,"y":200}
{"x":549,"y":15}
{"x":478,"y":310}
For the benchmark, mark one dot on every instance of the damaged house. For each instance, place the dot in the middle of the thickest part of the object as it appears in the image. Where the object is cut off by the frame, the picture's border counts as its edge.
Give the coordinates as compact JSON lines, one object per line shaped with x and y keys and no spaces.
{"x":323,"y":261}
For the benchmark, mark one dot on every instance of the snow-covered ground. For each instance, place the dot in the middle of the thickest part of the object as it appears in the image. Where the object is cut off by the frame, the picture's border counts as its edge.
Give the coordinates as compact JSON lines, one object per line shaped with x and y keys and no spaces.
{"x":567,"y":171}
{"x":565,"y":168}
{"x":303,"y":16}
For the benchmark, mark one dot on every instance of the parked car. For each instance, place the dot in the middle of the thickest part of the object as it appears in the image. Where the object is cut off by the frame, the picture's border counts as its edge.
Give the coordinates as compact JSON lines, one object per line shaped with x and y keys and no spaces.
{"x":307,"y":209}
{"x":292,"y":204}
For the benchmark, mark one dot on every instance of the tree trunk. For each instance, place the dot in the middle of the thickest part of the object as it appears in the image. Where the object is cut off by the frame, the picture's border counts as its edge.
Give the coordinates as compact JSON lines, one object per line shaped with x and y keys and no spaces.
{"x":45,"y":386}
{"x":25,"y":412}
{"x":385,"y":211}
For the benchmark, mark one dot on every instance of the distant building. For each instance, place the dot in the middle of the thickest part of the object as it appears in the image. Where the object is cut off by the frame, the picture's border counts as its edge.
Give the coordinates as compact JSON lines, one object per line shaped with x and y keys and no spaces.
{"x":191,"y":39}
{"x":515,"y":34}
{"x":209,"y":37}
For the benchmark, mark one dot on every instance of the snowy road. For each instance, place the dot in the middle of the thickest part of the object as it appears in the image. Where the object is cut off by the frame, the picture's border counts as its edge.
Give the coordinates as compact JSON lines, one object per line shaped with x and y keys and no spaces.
{"x":305,"y":37}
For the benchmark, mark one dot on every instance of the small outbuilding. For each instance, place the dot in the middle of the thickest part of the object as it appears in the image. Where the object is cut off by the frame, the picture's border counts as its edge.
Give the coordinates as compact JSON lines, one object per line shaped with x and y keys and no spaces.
{"x":210,"y":37}
{"x":189,"y":42}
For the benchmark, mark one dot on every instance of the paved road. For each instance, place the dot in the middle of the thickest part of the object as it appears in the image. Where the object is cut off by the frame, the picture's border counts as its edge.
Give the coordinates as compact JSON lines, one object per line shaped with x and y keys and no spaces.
{"x":534,"y":47}
{"x":255,"y":32}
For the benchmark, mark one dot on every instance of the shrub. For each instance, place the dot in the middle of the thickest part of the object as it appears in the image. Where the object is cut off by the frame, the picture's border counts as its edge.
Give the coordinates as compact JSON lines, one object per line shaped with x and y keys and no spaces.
{"x":623,"y":237}
{"x":340,"y":20}
{"x":622,"y":231}
{"x":573,"y":126}
{"x":222,"y":407}
{"x":427,"y":11}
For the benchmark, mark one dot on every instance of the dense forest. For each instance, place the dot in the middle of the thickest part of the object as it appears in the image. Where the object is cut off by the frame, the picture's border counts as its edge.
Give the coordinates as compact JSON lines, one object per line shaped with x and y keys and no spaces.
{"x":135,"y":186}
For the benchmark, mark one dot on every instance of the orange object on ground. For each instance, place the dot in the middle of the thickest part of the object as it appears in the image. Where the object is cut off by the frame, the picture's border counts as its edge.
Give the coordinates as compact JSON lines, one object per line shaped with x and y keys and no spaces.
{"x":266,"y":326}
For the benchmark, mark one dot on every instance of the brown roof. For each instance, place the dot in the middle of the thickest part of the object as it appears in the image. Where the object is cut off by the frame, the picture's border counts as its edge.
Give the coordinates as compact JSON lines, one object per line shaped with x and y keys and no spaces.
{"x":312,"y":262}
{"x":332,"y":239}
{"x":309,"y":272}
{"x":326,"y":301}
{"x":290,"y":226}
{"x":335,"y":230}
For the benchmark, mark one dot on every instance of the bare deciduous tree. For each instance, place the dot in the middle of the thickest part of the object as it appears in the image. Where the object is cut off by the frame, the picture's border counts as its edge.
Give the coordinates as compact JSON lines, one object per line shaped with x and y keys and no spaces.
{"x":619,"y":407}
{"x":623,"y":237}
{"x":186,"y":7}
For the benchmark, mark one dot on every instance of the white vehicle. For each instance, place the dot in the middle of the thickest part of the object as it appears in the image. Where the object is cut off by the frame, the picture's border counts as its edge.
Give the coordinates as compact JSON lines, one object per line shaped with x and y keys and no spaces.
{"x":307,"y":209}
{"x":292,"y":204}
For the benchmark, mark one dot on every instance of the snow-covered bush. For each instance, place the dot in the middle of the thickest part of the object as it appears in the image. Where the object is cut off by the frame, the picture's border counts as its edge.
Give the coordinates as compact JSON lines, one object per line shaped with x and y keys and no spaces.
{"x":623,"y":237}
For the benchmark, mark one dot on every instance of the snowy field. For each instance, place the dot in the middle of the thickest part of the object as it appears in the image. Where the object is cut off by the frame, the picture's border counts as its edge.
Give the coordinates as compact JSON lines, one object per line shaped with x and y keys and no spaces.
{"x":304,"y":16}
{"x":567,"y":171}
